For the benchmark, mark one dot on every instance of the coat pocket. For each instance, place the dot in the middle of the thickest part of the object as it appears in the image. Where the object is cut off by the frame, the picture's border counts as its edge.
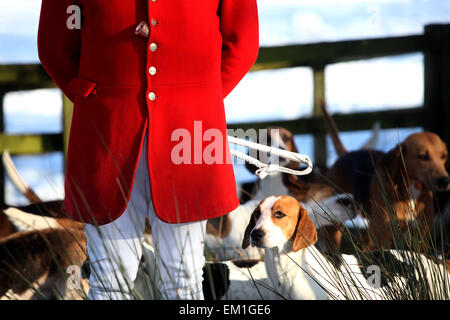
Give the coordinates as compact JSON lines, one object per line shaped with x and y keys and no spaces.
{"x":80,"y":87}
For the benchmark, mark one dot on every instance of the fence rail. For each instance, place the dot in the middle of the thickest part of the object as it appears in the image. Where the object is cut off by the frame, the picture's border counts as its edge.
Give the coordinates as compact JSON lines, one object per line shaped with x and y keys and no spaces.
{"x":433,"y":115}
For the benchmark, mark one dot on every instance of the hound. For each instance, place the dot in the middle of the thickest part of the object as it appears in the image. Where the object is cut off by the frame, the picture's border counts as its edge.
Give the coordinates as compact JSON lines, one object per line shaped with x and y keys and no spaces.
{"x":6,"y":226}
{"x":297,"y":270}
{"x":331,"y":211}
{"x":39,"y":264}
{"x":16,"y":219}
{"x":402,"y":181}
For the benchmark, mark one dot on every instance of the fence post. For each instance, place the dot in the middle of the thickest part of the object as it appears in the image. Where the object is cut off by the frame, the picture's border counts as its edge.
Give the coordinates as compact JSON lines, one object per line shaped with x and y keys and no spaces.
{"x":2,"y":167}
{"x":437,"y":80}
{"x":67,"y":121}
{"x":320,"y":141}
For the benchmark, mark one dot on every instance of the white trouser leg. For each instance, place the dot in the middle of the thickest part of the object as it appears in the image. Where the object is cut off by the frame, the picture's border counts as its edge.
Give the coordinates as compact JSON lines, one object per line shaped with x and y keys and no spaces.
{"x":115,"y":248}
{"x":179,"y":255}
{"x":115,"y":254}
{"x":179,"y":251}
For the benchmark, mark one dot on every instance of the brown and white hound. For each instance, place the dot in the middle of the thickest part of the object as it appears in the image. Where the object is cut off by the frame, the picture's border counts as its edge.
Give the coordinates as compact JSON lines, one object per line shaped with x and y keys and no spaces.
{"x":34,"y":264}
{"x":395,"y":187}
{"x":297,"y":270}
{"x":331,"y":211}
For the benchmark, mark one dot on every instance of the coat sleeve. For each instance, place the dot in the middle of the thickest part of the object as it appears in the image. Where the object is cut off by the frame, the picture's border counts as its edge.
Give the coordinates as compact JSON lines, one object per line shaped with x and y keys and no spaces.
{"x":59,"y":46}
{"x":240,"y":40}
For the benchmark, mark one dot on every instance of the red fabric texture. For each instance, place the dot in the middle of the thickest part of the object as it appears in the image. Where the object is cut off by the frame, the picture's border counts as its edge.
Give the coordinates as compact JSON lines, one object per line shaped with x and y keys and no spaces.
{"x":204,"y":48}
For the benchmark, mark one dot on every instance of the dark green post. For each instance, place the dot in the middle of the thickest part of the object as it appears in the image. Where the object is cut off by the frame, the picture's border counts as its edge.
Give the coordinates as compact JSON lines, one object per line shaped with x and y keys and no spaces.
{"x":2,"y":167}
{"x":437,"y":80}
{"x":320,"y":141}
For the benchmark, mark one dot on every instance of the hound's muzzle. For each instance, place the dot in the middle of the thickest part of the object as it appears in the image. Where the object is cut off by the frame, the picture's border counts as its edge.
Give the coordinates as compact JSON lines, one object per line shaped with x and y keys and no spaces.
{"x":257,"y":237}
{"x":442,"y":183}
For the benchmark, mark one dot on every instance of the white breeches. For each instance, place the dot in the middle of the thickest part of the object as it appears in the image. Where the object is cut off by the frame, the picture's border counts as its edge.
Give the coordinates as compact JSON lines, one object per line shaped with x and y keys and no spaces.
{"x":115,"y":249}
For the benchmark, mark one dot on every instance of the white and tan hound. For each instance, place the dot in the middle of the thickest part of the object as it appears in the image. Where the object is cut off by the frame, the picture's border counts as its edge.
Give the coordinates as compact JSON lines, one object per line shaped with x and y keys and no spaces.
{"x":297,"y":270}
{"x":330,"y":211}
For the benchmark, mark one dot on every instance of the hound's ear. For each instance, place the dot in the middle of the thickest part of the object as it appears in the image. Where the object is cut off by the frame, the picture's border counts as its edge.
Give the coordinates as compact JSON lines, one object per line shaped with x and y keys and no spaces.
{"x":250,"y":226}
{"x":306,"y":234}
{"x":446,"y":162}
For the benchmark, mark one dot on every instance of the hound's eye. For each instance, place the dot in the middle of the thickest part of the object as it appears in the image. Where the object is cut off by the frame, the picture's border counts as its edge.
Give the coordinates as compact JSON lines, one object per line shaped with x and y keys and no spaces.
{"x":444,"y":157}
{"x":279,"y":214}
{"x":344,"y":201}
{"x":424,"y":157}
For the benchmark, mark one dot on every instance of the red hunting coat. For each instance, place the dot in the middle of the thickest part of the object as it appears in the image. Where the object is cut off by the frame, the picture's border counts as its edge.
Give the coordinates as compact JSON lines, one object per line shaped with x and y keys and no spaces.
{"x":121,"y":84}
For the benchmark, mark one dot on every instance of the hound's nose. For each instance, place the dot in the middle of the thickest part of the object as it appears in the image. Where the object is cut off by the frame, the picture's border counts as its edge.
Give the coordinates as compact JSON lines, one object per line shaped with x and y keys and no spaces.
{"x":443,"y":182}
{"x":257,"y":234}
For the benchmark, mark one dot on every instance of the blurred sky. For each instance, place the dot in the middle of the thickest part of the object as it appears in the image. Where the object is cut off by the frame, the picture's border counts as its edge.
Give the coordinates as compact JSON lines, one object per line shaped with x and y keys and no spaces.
{"x":281,"y":22}
{"x":264,"y":95}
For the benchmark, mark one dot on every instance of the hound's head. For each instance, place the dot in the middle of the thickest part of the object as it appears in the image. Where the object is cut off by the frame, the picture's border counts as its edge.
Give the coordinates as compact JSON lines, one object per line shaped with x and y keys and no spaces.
{"x":277,"y":137}
{"x":277,"y":220}
{"x":425,"y":158}
{"x":332,"y":210}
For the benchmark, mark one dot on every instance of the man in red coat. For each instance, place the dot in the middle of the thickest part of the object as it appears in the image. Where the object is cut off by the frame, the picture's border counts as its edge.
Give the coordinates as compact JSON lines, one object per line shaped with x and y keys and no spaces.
{"x":126,"y":88}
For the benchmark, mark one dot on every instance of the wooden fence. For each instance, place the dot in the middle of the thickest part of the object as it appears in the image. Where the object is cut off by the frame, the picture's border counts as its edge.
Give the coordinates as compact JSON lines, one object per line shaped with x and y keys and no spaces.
{"x":433,"y":115}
